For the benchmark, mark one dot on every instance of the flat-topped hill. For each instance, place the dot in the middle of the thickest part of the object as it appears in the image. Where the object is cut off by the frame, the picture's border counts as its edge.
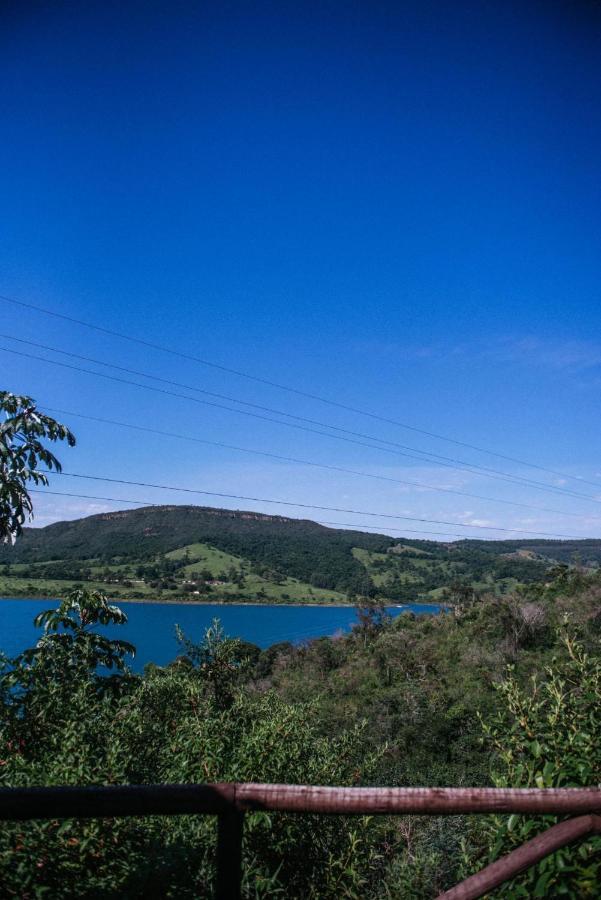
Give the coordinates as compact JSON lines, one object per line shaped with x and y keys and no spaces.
{"x":241,"y":554}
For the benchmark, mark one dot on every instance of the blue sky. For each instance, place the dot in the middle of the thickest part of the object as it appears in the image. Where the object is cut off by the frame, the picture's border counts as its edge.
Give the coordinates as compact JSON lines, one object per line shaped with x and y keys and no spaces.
{"x":394,"y":206}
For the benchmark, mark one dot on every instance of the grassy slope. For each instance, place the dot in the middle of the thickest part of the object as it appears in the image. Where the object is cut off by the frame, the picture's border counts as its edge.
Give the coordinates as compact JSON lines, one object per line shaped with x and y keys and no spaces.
{"x":201,"y":556}
{"x":204,"y":556}
{"x":295,"y":591}
{"x":425,"y":567}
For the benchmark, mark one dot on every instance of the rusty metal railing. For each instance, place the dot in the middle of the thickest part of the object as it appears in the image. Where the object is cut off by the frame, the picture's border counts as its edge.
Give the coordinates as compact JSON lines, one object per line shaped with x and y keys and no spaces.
{"x":230,"y":802}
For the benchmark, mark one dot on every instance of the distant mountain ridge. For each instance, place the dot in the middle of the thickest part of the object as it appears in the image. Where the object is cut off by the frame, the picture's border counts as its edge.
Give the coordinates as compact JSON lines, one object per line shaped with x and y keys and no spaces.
{"x":276,"y":548}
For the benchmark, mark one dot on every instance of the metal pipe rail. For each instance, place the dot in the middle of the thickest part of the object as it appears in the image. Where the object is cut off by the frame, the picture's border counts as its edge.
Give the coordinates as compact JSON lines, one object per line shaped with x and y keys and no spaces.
{"x":230,"y":801}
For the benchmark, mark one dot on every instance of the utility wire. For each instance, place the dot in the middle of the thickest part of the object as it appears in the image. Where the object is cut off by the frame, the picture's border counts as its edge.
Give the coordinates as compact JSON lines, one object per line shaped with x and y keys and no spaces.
{"x":424,"y":454}
{"x":456,"y":465}
{"x":150,"y":503}
{"x":282,"y":387}
{"x":349,"y":525}
{"x":355,"y":512}
{"x":305,"y":462}
{"x":353,"y":526}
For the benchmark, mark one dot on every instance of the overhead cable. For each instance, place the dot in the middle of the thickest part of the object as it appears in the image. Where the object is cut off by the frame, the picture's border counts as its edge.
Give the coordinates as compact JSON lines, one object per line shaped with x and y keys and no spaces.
{"x":148,"y":504}
{"x":300,"y":505}
{"x":468,"y":467}
{"x":305,"y":462}
{"x":246,"y":375}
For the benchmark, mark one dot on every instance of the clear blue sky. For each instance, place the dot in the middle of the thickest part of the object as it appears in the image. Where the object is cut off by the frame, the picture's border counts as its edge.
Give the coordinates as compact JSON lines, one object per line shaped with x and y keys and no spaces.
{"x":396,"y":206}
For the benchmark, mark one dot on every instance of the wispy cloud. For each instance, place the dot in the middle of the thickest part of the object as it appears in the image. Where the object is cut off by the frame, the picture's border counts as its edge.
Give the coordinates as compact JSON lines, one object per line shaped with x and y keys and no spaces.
{"x":380,"y":348}
{"x":567,"y":355}
{"x":48,"y":510}
{"x":562,"y":355}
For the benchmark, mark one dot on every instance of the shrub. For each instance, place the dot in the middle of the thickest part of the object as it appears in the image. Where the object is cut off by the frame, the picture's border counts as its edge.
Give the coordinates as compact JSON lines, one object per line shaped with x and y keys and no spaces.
{"x":186,"y":723}
{"x":548,"y":736}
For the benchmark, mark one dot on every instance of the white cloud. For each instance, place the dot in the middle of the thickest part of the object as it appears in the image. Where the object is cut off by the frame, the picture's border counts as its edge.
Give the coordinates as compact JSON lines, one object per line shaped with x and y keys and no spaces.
{"x":568,"y":354}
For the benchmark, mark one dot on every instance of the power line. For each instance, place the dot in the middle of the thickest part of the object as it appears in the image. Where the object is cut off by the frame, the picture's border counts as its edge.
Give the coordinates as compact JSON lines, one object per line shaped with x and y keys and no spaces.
{"x":350,"y":525}
{"x":452,"y":464}
{"x":242,"y":412}
{"x":424,"y":454}
{"x":144,"y":503}
{"x":150,"y":503}
{"x":287,"y":388}
{"x":305,"y":462}
{"x":356,"y":512}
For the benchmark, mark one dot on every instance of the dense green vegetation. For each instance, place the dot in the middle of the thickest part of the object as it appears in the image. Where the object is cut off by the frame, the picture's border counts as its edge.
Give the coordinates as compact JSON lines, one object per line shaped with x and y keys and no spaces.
{"x":409,"y":701}
{"x":503,"y":689}
{"x":191,"y":552}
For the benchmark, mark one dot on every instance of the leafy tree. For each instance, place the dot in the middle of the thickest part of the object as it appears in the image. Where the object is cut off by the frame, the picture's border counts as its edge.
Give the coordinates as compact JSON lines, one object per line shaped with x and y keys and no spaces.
{"x":38,"y":685}
{"x":462,"y":593}
{"x":371,"y":615}
{"x":71,"y":628}
{"x":21,"y":452}
{"x":218,"y":658}
{"x":166,"y":727}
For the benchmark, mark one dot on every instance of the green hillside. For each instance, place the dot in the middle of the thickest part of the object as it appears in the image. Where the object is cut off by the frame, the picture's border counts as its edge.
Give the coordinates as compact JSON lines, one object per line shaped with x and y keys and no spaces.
{"x":192,"y":552}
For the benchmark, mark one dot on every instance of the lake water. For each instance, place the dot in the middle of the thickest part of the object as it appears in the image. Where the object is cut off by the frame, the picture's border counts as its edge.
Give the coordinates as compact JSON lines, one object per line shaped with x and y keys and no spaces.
{"x":151,"y":626}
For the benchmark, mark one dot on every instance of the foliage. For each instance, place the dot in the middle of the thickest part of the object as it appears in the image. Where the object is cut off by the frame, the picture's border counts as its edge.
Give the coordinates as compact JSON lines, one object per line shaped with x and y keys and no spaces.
{"x":392,"y":703}
{"x":22,"y":450}
{"x":419,"y":682}
{"x":425,"y":860}
{"x":548,"y":734}
{"x":70,"y":629}
{"x":44,"y":680}
{"x":169,"y":726}
{"x":219,"y":659}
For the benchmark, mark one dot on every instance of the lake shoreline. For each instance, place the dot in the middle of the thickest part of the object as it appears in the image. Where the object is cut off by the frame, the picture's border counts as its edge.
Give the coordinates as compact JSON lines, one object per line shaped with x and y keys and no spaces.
{"x":150,"y":626}
{"x":180,"y":602}
{"x":231,"y":603}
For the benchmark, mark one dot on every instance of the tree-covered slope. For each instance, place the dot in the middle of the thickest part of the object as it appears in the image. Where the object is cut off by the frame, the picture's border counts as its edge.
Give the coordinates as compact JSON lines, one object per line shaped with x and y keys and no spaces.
{"x":244,"y":555}
{"x":299,"y":548}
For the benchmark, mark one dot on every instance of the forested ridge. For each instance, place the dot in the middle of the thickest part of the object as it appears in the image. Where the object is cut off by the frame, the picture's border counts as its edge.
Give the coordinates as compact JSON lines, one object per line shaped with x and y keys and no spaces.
{"x":180,"y":551}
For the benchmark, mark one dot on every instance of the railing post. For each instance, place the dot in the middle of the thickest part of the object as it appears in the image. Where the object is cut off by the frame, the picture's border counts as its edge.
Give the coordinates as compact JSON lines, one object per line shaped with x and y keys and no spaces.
{"x":229,"y":855}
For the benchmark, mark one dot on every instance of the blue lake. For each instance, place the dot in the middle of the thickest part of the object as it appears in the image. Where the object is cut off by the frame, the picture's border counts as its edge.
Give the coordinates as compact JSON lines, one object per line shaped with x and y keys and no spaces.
{"x":151,"y":626}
